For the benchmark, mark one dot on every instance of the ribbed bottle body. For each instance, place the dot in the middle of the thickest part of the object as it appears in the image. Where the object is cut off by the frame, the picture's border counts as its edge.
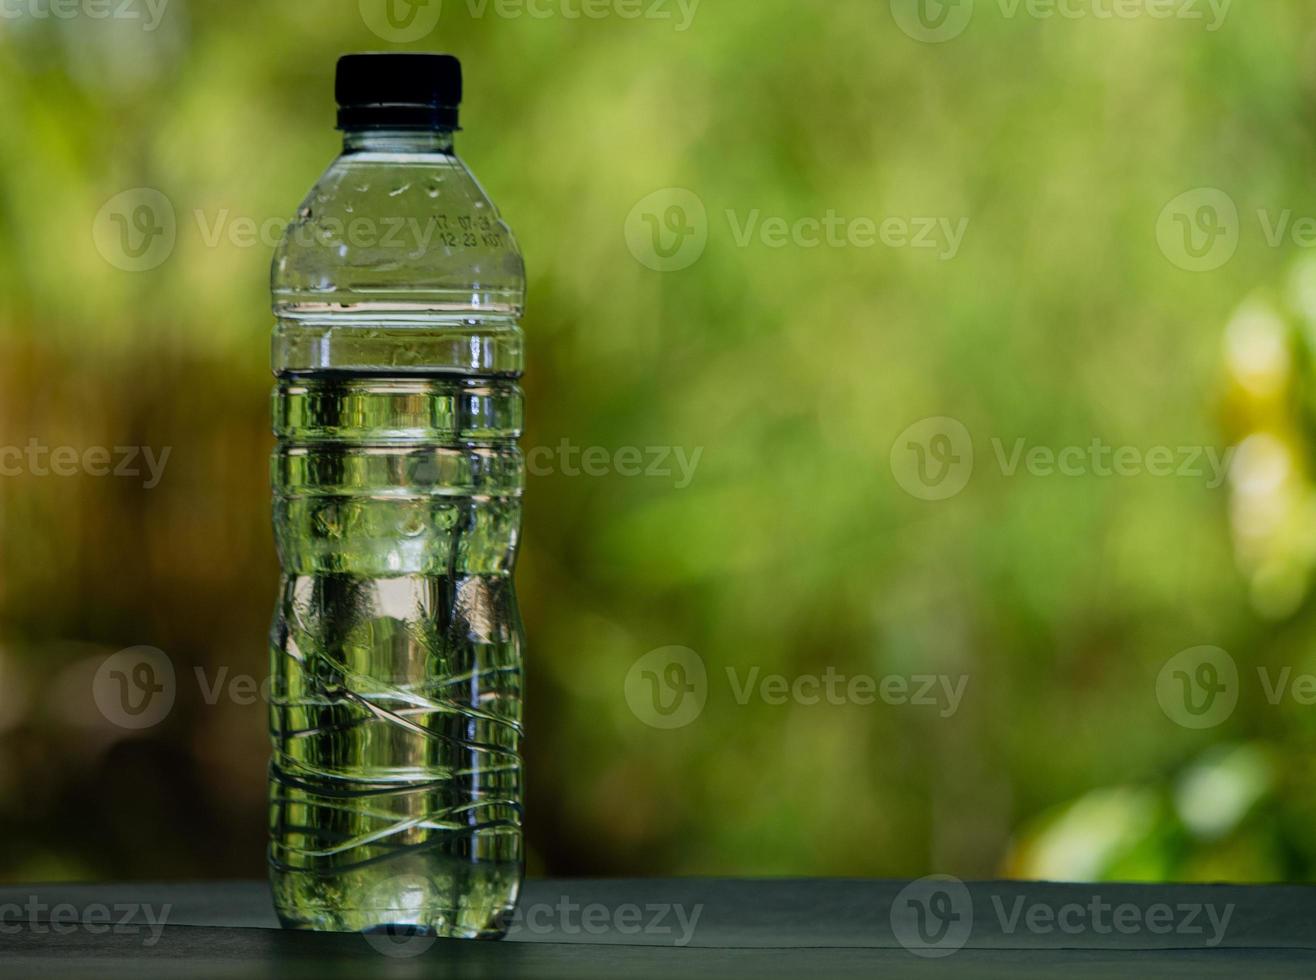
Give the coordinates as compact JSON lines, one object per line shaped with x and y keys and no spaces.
{"x":396,"y":646}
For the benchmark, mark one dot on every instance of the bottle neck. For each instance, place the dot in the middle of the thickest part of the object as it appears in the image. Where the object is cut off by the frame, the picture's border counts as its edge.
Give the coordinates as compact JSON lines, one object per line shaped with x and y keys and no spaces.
{"x":398,"y":141}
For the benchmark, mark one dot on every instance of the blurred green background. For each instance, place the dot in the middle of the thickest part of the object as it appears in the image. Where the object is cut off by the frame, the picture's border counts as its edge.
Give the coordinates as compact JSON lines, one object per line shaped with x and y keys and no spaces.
{"x":1067,"y":314}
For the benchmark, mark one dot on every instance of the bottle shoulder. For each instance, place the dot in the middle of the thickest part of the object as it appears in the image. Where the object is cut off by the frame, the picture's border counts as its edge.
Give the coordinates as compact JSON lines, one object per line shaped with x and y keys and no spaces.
{"x":401,"y":232}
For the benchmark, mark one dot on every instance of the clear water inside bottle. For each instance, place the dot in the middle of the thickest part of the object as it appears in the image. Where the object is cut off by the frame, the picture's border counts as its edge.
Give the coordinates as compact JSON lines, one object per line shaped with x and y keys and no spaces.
{"x":396,"y":648}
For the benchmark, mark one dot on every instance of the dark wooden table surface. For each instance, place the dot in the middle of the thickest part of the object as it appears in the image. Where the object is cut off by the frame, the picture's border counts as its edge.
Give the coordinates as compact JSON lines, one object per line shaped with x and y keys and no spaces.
{"x":688,"y":928}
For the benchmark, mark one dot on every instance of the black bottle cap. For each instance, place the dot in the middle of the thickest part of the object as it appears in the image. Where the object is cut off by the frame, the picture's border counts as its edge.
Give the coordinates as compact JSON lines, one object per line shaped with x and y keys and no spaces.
{"x":398,"y":91}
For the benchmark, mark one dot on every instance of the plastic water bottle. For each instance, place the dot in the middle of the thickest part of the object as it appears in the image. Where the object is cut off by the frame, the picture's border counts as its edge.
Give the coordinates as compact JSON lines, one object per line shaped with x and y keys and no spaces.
{"x":395,"y":783}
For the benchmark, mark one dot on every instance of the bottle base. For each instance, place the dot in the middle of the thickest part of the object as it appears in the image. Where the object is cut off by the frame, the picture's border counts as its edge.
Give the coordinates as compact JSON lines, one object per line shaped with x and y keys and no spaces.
{"x":477,"y":924}
{"x":478,"y":904}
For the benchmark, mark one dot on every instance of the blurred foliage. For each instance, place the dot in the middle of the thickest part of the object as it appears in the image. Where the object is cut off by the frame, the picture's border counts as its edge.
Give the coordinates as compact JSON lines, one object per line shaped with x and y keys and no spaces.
{"x":794,"y":370}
